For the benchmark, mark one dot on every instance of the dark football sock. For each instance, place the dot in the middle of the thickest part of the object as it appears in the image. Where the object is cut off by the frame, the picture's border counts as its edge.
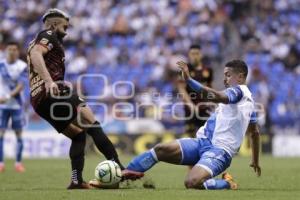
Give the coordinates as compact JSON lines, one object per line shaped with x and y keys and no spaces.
{"x":77,"y":157}
{"x":103,"y":143}
{"x":19,"y":150}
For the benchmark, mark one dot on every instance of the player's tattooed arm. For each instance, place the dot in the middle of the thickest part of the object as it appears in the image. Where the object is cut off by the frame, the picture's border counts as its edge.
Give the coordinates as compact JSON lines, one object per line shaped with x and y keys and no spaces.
{"x":37,"y":59}
{"x":253,"y":132}
{"x":214,"y":95}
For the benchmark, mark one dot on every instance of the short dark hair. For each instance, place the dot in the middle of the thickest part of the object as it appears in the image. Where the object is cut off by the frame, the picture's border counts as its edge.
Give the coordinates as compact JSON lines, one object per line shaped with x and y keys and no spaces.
{"x":54,"y":12}
{"x":195,"y":46}
{"x":238,"y":66}
{"x":11,"y":42}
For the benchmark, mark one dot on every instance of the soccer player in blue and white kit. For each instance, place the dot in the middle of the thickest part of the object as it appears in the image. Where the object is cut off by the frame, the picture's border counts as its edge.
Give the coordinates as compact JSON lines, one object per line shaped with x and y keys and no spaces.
{"x":13,"y":74}
{"x":218,"y":140}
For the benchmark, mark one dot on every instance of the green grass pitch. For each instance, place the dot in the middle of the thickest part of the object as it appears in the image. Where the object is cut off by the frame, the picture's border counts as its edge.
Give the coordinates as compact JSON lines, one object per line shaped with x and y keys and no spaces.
{"x":47,"y":179}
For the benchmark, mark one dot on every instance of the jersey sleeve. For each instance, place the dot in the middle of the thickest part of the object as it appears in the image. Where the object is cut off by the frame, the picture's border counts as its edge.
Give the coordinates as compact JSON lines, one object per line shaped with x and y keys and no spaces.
{"x":234,"y":94}
{"x":47,"y":39}
{"x":253,"y":118}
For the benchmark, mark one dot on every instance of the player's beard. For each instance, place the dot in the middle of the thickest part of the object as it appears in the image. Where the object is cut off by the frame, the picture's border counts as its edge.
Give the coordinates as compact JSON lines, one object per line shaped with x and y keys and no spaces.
{"x":61,"y":35}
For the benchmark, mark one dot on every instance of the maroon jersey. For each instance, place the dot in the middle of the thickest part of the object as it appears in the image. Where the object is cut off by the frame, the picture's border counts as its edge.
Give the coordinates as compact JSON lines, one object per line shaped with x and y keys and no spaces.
{"x":203,"y":75}
{"x":54,"y":60}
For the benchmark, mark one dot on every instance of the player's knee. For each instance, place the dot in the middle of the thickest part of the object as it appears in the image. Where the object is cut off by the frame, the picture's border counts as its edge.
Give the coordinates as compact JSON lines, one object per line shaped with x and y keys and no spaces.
{"x":72,"y":131}
{"x":194,"y":183}
{"x":86,"y":116}
{"x":161,"y":149}
{"x":18,"y":133}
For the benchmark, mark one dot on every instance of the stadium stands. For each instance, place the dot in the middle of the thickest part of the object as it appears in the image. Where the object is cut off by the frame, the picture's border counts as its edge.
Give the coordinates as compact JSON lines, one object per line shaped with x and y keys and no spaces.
{"x":138,"y":41}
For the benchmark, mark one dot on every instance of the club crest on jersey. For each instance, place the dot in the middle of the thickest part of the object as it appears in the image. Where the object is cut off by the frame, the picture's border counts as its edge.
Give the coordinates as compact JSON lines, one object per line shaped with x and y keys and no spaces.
{"x":44,"y":41}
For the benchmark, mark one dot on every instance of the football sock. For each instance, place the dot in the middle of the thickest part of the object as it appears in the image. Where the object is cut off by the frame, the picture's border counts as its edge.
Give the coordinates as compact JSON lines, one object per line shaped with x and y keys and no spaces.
{"x":77,"y":157}
{"x":1,"y":149}
{"x":216,"y":184}
{"x":103,"y":143}
{"x":143,"y":162}
{"x":19,"y":150}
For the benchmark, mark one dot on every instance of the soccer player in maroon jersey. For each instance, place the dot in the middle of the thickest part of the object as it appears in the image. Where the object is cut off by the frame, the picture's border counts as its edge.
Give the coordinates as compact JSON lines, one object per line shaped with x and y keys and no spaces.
{"x":195,"y":109}
{"x":52,"y":99}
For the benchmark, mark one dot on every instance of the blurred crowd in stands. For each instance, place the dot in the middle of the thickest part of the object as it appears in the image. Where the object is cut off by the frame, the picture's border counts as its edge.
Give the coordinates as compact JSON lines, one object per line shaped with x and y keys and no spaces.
{"x":139,"y":42}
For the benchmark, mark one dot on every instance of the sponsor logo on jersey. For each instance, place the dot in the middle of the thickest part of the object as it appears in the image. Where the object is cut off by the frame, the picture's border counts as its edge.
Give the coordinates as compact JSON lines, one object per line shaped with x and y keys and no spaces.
{"x":50,"y":46}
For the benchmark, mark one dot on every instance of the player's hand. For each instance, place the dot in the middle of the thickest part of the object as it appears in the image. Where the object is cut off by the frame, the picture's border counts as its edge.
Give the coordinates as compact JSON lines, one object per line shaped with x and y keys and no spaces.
{"x":184,"y":69}
{"x":51,"y":88}
{"x":256,"y":168}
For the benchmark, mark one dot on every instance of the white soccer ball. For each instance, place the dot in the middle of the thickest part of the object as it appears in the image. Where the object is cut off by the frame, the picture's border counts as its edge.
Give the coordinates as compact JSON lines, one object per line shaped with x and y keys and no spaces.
{"x":108,"y":173}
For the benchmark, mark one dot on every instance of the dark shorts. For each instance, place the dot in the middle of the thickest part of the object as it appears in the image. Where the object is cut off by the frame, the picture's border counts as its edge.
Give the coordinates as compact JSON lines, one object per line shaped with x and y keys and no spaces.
{"x":59,"y":112}
{"x":192,"y":126}
{"x":194,"y":123}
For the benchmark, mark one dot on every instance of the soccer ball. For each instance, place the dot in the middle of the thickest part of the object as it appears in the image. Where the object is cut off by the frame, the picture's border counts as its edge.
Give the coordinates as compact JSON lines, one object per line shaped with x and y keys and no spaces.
{"x":108,"y":173}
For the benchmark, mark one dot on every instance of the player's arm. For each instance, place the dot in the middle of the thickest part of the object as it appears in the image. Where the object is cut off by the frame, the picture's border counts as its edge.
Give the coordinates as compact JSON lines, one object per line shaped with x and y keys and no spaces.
{"x":13,"y":93}
{"x":253,"y":132}
{"x":21,"y":82}
{"x":232,"y":95}
{"x":38,"y":62}
{"x":37,"y":59}
{"x":17,"y":90}
{"x":19,"y":87}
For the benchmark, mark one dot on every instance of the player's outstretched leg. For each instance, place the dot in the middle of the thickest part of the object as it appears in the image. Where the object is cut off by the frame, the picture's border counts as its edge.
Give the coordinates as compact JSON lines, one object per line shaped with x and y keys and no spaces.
{"x":169,"y":152}
{"x":2,"y":167}
{"x":144,"y":161}
{"x":19,"y":167}
{"x":88,"y":122}
{"x":103,"y":143}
